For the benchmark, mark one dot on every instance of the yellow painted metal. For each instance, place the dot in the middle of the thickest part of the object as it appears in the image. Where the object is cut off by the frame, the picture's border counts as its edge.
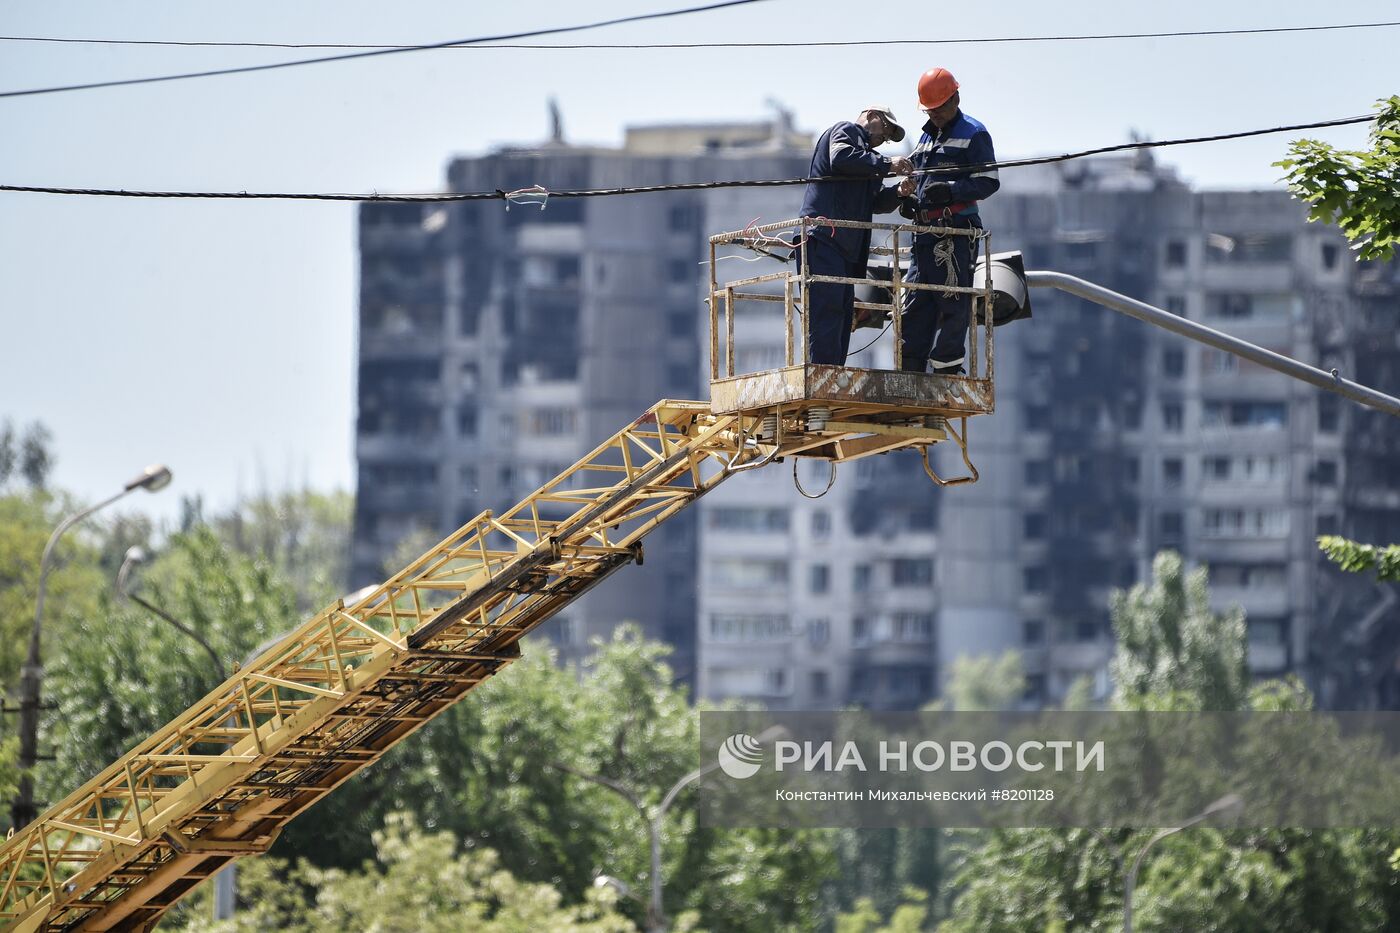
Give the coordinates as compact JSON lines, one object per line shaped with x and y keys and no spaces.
{"x":222,"y":779}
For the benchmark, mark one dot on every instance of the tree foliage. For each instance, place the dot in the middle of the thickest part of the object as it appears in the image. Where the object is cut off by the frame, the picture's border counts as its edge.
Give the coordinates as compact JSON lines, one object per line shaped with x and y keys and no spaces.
{"x":1357,"y":190}
{"x":986,"y":682}
{"x":1172,"y":649}
{"x":417,"y":882}
{"x":1359,"y":558}
{"x":127,"y":672}
{"x":1174,"y":654}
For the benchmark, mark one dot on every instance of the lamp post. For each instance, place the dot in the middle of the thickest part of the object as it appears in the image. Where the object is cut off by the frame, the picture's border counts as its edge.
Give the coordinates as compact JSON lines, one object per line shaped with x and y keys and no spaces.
{"x":22,"y":812}
{"x":225,"y":880}
{"x":1226,"y":803}
{"x":136,"y":555}
{"x":656,"y":916}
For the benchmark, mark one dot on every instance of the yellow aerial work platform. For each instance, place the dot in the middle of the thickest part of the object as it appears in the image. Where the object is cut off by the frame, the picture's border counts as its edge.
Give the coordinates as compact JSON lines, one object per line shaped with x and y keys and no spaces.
{"x":860,"y":411}
{"x":221,"y":780}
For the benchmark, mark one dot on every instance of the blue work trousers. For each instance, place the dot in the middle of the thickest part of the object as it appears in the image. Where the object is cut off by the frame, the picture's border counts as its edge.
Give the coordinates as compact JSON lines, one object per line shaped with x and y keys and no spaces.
{"x":930,"y":314}
{"x":830,"y":307}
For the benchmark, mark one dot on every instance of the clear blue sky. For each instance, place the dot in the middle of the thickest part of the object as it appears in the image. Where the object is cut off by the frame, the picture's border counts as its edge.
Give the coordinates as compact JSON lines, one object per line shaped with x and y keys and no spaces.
{"x":219,"y":336}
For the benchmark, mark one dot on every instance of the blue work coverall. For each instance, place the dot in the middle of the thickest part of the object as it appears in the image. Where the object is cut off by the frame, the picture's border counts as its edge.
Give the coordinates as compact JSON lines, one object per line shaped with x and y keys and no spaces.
{"x":843,"y":150}
{"x":945,"y":260}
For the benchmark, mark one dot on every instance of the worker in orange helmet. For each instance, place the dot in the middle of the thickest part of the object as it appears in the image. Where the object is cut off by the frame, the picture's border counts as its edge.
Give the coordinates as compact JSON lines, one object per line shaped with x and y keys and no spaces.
{"x":952,"y":172}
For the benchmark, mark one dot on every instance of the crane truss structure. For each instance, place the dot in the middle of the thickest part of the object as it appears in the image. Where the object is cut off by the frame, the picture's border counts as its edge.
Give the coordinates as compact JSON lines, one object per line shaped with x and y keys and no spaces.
{"x":222,"y":780}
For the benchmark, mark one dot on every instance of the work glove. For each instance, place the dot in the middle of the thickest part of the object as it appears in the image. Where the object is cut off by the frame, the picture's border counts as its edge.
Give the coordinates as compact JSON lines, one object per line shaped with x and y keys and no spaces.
{"x":937,"y":194}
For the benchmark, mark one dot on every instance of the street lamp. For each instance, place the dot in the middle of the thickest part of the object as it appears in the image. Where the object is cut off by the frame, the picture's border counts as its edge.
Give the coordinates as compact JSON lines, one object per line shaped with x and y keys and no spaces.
{"x":656,"y":916}
{"x":1227,"y":803}
{"x":22,"y":812}
{"x":137,"y":555}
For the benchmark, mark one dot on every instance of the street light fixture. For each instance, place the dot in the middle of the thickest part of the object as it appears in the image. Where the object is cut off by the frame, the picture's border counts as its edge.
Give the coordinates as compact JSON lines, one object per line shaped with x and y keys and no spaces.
{"x":137,"y":555}
{"x":22,"y":812}
{"x":1228,"y":803}
{"x":656,"y":916}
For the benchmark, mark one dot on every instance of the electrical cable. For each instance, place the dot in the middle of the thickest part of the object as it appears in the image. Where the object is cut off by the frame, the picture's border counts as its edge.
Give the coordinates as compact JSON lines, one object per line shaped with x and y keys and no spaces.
{"x":714,"y":45}
{"x":499,"y":195}
{"x":381,"y":51}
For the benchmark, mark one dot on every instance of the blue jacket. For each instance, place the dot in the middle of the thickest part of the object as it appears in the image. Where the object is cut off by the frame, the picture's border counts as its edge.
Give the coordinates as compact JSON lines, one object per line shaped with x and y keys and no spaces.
{"x":964,"y":142}
{"x":845,"y":150}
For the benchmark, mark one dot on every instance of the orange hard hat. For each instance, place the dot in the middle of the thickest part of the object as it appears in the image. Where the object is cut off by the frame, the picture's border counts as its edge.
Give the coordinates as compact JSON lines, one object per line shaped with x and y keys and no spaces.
{"x":935,"y":87}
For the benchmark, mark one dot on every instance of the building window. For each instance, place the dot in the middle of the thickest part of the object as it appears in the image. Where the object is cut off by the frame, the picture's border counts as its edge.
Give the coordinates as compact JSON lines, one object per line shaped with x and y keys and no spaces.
{"x":821,"y":681}
{"x":680,"y":324}
{"x":1173,"y":363}
{"x":1032,"y":632}
{"x":1173,"y":473}
{"x":860,"y":630}
{"x":731,"y":627}
{"x":1033,"y":526}
{"x":755,"y":520}
{"x":860,"y":578}
{"x":1236,"y":414}
{"x":1245,"y":523}
{"x":1325,"y":473}
{"x":1037,"y":417}
{"x":1327,"y":523}
{"x":912,"y":626}
{"x":1176,"y":253}
{"x":682,"y":271}
{"x":1086,"y":630}
{"x":819,"y":578}
{"x":909,"y":571}
{"x":1329,"y":414}
{"x":1176,"y":304}
{"x":683,"y":218}
{"x":1034,"y":579}
{"x":466,"y":421}
{"x":1170,"y":523}
{"x":821,"y":523}
{"x":1132,"y":416}
{"x":748,"y":573}
{"x":1218,"y":362}
{"x":1329,"y":256}
{"x":1037,"y":472}
{"x":550,"y":422}
{"x":818,"y":632}
{"x":1171,"y":417}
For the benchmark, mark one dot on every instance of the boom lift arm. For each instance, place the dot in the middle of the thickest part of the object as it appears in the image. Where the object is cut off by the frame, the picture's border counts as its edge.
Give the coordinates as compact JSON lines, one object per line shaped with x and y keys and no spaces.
{"x":223,"y":779}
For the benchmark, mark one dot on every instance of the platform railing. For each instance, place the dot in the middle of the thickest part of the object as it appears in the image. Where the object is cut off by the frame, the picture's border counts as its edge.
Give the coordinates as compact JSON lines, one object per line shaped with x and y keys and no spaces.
{"x":776,"y":241}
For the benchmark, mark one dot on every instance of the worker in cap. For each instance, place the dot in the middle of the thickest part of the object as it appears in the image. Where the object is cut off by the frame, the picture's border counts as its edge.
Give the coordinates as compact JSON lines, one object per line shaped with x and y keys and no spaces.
{"x":952,"y":172}
{"x":845,"y":152}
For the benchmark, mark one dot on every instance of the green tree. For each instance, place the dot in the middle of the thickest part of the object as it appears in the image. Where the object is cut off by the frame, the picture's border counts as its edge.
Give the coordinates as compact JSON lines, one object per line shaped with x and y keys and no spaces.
{"x":910,"y":916}
{"x":986,"y":682}
{"x":304,"y":535}
{"x":1359,"y":558}
{"x":1353,"y":189}
{"x":1174,"y":654}
{"x":131,"y":672}
{"x":418,"y":882}
{"x":1173,"y":651}
{"x":1359,"y":192}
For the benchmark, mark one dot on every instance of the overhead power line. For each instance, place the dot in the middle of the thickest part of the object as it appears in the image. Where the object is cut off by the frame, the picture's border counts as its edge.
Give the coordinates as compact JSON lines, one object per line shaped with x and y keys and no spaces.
{"x":476,"y":46}
{"x":683,"y":186}
{"x":392,"y":50}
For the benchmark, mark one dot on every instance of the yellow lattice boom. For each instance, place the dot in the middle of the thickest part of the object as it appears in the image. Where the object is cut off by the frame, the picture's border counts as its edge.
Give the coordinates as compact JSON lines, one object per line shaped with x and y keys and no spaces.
{"x":221,"y":780}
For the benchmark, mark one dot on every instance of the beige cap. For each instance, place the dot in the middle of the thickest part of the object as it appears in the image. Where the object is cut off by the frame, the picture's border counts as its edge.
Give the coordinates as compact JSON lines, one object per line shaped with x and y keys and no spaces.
{"x":896,"y":131}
